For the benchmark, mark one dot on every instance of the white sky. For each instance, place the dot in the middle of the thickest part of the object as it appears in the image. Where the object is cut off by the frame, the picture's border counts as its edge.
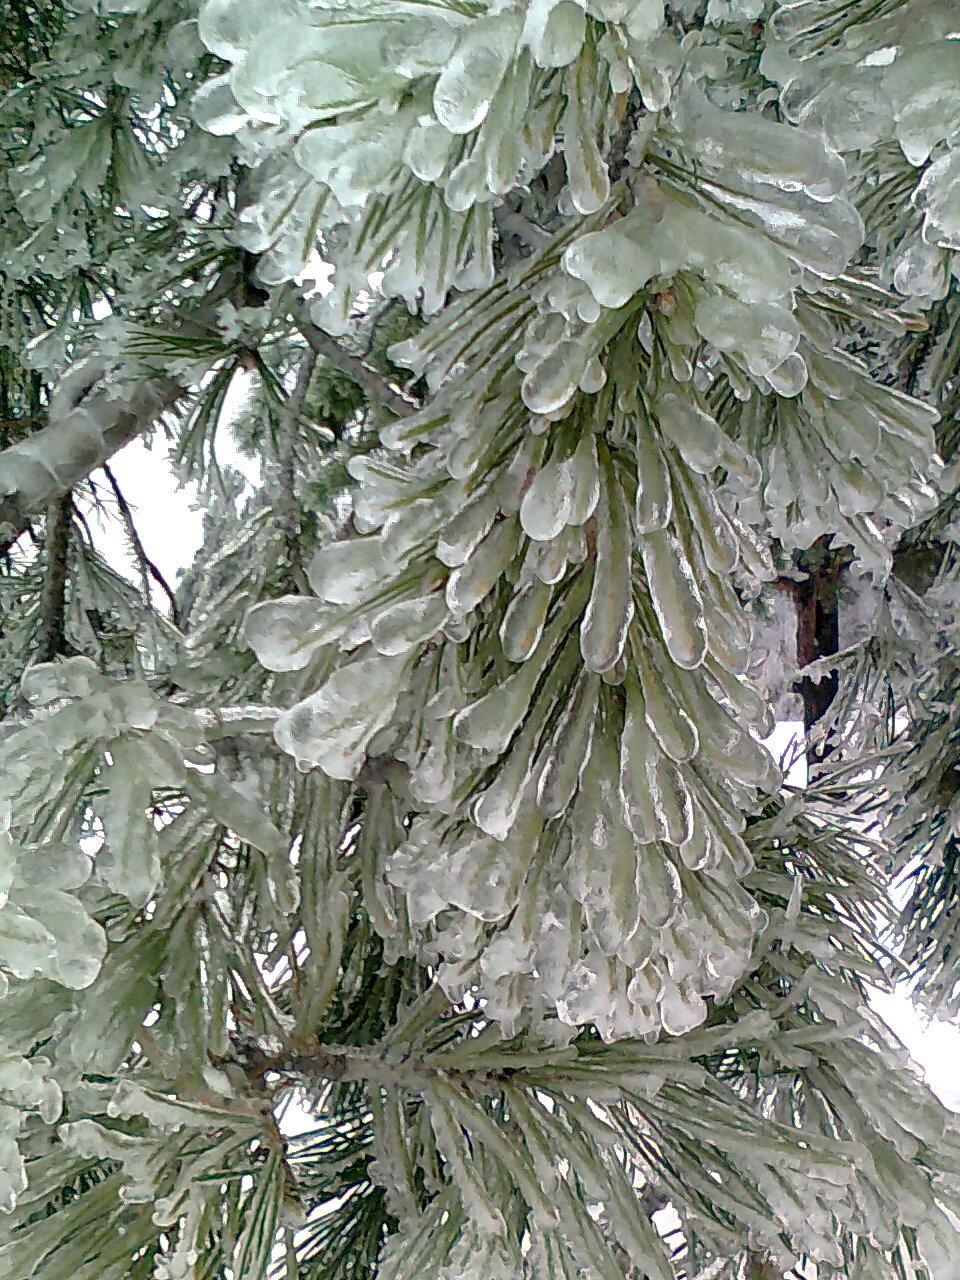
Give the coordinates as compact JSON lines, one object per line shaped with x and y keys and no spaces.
{"x":169,"y":524}
{"x":167,"y":516}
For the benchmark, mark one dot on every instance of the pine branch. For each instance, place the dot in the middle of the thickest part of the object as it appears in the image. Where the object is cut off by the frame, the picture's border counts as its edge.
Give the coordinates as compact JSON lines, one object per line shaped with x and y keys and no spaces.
{"x":372,"y":383}
{"x":139,"y":551}
{"x":914,"y":357}
{"x":90,"y":420}
{"x":290,"y":510}
{"x":51,"y":639}
{"x":37,"y":471}
{"x":364,"y":1065}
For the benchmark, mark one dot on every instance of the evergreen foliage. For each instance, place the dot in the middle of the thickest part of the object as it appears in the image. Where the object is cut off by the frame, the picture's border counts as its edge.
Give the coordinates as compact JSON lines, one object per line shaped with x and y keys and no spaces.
{"x":430,"y":803}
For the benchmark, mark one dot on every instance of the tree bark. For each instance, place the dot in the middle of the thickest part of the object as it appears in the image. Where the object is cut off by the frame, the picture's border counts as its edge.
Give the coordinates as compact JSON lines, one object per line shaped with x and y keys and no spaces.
{"x":818,"y":636}
{"x":51,"y":637}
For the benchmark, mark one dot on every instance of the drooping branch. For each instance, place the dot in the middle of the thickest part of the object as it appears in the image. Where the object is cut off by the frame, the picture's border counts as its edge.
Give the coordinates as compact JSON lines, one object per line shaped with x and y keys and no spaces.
{"x":51,"y":639}
{"x":88,"y":426}
{"x":80,"y":436}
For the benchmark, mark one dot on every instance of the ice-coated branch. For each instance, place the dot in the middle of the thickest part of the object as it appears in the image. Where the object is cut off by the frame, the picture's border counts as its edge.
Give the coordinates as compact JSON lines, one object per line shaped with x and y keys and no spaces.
{"x":230,"y":722}
{"x":91,"y":418}
{"x":364,"y":1064}
{"x":372,"y":383}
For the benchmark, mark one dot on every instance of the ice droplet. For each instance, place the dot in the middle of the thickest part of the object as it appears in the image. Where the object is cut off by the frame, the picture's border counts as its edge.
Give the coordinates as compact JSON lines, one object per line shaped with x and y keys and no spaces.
{"x":545,"y":508}
{"x":523,"y":621}
{"x":467,"y":84}
{"x":407,"y":623}
{"x":342,"y":572}
{"x":675,"y":599}
{"x":285,"y":633}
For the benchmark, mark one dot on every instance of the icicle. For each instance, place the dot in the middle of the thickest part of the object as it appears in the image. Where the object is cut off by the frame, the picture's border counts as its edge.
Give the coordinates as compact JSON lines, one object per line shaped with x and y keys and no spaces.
{"x":473,"y":580}
{"x":522,"y":624}
{"x":569,"y":748}
{"x":654,"y":496}
{"x":675,"y":599}
{"x":603,"y":631}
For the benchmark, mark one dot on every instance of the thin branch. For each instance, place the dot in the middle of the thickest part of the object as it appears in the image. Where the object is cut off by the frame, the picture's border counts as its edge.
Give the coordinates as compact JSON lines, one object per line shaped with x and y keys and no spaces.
{"x":343,"y":1062}
{"x":51,"y":639}
{"x":373,"y":384}
{"x":387,"y":310}
{"x":913,"y":359}
{"x":138,"y":548}
{"x":91,"y":417}
{"x":288,"y":463}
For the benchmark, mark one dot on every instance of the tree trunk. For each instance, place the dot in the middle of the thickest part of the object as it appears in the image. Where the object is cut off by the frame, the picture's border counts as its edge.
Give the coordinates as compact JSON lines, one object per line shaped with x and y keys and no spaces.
{"x":818,"y":636}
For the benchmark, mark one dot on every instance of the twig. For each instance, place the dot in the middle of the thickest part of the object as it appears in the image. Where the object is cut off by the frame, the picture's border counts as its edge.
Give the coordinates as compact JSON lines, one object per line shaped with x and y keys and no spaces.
{"x":143,"y":559}
{"x":912,"y":360}
{"x":232,"y":722}
{"x":51,"y":639}
{"x":378,"y":320}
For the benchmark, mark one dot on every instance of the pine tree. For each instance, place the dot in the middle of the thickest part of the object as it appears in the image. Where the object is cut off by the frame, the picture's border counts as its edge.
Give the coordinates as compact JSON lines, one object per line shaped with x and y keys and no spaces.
{"x":406,"y":891}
